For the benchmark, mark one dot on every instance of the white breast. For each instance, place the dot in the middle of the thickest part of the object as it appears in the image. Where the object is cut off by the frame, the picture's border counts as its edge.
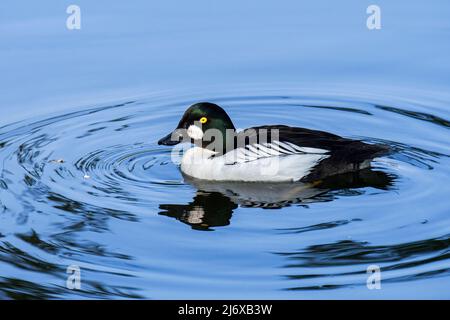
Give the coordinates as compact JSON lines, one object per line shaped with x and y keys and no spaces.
{"x":247,"y":164}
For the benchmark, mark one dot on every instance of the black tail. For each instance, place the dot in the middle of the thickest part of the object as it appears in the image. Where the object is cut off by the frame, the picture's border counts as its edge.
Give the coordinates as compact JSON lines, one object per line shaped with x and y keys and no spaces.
{"x":355,"y":156}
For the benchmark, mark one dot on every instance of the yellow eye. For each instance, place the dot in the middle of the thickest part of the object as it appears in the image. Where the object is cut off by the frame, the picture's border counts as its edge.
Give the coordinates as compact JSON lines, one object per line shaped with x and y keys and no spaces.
{"x":203,"y":120}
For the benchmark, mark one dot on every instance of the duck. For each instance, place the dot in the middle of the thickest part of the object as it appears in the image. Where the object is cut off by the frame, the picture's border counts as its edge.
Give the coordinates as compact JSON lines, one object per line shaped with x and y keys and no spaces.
{"x":267,"y":153}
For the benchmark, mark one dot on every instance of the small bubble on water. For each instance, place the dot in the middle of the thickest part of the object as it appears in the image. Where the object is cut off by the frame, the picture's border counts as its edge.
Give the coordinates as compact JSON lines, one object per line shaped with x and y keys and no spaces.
{"x":57,"y":161}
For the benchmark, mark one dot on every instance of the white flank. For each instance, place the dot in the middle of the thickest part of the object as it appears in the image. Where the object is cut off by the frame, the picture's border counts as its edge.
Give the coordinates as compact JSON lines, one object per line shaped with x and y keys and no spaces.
{"x":275,"y":162}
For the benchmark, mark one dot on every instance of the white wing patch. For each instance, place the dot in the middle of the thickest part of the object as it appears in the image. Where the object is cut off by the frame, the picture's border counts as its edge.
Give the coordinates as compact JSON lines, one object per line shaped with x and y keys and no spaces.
{"x":265,"y":150}
{"x":276,"y":148}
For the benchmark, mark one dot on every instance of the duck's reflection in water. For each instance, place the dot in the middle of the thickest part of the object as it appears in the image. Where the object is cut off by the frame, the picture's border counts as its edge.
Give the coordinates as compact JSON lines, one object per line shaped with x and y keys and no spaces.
{"x":214,"y":202}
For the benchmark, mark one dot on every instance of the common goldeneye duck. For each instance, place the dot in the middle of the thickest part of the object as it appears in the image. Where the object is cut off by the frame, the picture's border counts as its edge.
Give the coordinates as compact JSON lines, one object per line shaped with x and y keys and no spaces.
{"x":273,"y":153}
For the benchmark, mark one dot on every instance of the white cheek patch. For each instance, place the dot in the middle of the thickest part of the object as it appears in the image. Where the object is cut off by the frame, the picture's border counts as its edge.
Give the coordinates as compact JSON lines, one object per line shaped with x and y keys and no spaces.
{"x":195,"y":132}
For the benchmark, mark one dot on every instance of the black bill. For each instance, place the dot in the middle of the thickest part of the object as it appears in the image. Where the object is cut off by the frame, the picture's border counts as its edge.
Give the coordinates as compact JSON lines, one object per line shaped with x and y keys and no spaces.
{"x":171,"y":139}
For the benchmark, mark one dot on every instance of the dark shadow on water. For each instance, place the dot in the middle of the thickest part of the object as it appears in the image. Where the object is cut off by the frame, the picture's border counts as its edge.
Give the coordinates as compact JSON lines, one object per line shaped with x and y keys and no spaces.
{"x":395,"y":257}
{"x":418,"y":115}
{"x":16,"y":288}
{"x":214,"y":202}
{"x":208,"y":209}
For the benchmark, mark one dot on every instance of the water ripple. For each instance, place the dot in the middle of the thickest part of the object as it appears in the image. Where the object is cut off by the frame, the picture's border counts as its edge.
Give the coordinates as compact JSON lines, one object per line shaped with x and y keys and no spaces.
{"x":92,"y":188}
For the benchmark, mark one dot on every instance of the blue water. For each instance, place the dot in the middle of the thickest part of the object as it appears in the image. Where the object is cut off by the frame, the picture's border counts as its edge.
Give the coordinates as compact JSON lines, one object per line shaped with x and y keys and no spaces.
{"x":83,"y":182}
